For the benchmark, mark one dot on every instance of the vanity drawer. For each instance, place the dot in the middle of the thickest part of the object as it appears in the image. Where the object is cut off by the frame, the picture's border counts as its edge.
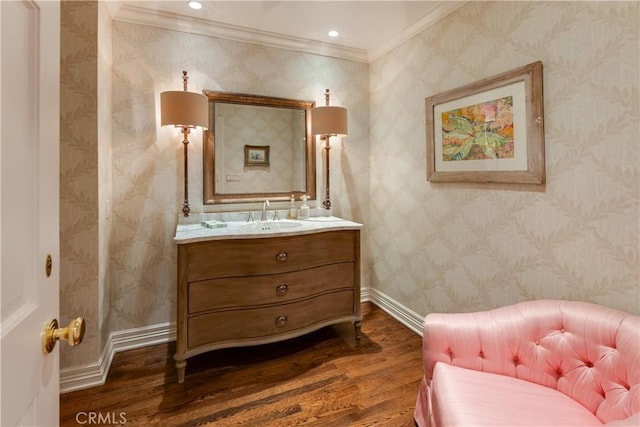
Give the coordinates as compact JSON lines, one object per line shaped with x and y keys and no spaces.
{"x":235,"y":292}
{"x":256,"y":323}
{"x":248,"y":257}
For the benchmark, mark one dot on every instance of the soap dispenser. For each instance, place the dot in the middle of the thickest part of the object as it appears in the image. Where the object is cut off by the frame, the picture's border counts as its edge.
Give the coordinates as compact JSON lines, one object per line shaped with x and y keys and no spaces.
{"x":293,"y":210}
{"x":304,"y":209}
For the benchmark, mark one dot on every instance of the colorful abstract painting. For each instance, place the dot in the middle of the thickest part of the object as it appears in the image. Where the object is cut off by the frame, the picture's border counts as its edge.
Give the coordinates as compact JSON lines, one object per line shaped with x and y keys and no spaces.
{"x":478,"y":132}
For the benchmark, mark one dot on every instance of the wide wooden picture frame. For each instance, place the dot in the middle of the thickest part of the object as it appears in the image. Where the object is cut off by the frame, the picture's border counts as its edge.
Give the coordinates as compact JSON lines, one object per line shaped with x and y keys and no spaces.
{"x":490,"y":131}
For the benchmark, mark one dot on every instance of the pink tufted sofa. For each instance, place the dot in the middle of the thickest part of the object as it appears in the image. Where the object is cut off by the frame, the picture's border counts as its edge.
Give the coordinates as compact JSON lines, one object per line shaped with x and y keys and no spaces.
{"x":536,"y":363}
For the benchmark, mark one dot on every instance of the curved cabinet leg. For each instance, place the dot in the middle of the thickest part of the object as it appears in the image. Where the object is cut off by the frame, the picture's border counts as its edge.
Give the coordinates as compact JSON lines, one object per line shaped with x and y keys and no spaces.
{"x":181,"y":367}
{"x":357,"y":325}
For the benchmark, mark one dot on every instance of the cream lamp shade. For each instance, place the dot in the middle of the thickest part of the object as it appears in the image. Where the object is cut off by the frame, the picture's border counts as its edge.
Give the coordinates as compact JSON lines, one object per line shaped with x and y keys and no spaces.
{"x":182,"y":108}
{"x":329,"y":120}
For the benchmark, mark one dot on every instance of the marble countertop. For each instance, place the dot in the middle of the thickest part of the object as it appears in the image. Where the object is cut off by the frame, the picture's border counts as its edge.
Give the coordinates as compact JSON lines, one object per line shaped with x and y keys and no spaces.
{"x":189,"y":233}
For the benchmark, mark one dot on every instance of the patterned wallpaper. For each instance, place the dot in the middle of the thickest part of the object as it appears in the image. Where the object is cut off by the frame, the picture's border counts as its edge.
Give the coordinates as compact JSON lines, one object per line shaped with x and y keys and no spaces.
{"x":461,"y":248}
{"x":105,"y":166}
{"x":79,"y":178}
{"x":85,"y":175}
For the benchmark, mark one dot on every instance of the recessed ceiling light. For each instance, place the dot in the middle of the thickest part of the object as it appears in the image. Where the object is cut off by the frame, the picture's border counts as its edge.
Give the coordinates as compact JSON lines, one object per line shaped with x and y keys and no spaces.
{"x":195,"y":5}
{"x":333,"y":33}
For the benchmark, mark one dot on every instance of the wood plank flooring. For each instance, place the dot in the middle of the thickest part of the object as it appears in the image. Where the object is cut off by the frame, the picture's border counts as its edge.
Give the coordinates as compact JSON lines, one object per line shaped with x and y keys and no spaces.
{"x":325,"y":378}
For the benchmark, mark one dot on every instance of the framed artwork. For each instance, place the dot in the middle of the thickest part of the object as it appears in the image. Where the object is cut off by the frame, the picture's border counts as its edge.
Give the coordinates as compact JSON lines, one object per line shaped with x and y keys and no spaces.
{"x":256,"y":155}
{"x":488,"y":131}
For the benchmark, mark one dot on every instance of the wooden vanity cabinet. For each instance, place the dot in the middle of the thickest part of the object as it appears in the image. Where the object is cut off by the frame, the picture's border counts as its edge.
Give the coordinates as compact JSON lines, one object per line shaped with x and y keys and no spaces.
{"x":240,"y":292}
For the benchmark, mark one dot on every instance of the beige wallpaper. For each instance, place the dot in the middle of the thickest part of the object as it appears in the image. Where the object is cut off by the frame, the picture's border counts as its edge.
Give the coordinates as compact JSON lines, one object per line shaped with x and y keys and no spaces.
{"x":85,"y":175}
{"x":79,"y":177}
{"x":457,"y":248}
{"x":104,"y":166}
{"x":147,"y":159}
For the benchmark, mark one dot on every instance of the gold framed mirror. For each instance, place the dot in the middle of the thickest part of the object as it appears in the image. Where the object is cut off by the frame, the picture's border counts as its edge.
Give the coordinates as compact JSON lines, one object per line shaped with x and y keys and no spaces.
{"x":257,"y":148}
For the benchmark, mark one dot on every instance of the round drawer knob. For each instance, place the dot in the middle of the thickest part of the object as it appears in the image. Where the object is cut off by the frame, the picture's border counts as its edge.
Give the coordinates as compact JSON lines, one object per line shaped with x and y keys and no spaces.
{"x":281,"y":257}
{"x":282,"y":289}
{"x":281,"y":321}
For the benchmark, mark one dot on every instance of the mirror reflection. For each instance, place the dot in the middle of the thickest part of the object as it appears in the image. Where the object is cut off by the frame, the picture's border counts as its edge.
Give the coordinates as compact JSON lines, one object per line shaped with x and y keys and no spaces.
{"x":257,"y":148}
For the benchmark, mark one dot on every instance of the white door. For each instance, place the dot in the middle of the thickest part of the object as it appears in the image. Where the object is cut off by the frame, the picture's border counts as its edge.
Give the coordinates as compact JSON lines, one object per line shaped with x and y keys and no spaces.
{"x":29,"y":145}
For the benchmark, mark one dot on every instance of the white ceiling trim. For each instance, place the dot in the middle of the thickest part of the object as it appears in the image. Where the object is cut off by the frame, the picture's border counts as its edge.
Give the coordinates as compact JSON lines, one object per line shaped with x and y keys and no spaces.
{"x":188,"y":24}
{"x":443,"y":9}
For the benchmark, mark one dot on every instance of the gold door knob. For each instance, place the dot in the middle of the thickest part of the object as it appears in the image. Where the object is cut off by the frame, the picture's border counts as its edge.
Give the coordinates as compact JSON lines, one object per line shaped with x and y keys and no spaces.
{"x":72,"y":334}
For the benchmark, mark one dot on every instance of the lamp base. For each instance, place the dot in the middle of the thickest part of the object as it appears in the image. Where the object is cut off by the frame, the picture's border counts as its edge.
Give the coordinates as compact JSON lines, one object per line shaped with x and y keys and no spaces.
{"x":185,"y":143}
{"x":327,"y":197}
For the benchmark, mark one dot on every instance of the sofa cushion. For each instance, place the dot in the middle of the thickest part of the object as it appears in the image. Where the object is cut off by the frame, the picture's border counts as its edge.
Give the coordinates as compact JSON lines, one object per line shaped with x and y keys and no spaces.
{"x":461,"y":396}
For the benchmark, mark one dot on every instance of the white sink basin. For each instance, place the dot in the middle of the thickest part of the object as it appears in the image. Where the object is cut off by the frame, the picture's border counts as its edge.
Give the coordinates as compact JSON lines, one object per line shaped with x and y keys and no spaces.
{"x":270,"y":226}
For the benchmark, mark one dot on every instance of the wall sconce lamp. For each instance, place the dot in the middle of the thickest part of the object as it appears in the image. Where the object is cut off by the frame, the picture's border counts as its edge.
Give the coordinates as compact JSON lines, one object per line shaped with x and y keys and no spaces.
{"x":186,"y":110}
{"x":328,"y":121}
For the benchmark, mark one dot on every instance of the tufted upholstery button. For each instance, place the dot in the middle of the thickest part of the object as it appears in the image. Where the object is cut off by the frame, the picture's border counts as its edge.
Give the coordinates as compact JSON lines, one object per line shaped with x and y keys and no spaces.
{"x":481,"y":355}
{"x":588,"y":364}
{"x":516,"y":360}
{"x":537,"y":342}
{"x":559,"y":371}
{"x":562,"y":330}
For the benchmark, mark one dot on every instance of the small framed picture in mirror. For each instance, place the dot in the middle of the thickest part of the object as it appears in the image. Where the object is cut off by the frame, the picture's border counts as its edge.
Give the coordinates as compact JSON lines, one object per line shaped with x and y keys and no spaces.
{"x":256,"y":155}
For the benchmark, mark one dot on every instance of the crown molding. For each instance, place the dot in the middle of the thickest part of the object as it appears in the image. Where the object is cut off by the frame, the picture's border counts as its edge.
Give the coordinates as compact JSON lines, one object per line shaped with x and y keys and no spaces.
{"x":187,"y":24}
{"x":443,"y":9}
{"x":112,"y":7}
{"x":193,"y":25}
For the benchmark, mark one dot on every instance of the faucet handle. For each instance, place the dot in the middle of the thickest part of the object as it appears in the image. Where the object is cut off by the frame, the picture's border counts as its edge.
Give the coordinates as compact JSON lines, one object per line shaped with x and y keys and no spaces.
{"x":275,"y":215}
{"x":250,"y":218}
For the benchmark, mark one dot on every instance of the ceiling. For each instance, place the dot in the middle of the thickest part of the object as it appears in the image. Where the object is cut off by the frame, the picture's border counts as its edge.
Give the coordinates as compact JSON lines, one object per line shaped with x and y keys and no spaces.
{"x":368,"y":29}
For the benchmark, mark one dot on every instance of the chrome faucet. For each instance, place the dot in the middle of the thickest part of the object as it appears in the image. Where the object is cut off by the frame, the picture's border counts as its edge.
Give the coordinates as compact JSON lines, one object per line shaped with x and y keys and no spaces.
{"x":265,"y":205}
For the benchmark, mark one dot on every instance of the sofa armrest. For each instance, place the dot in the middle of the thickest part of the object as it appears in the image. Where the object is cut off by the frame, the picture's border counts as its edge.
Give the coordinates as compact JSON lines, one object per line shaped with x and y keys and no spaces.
{"x":451,"y":338}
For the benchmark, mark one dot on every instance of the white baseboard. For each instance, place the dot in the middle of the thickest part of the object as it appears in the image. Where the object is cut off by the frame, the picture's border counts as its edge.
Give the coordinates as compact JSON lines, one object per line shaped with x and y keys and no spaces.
{"x":402,"y":314}
{"x":91,"y":375}
{"x":95,"y":374}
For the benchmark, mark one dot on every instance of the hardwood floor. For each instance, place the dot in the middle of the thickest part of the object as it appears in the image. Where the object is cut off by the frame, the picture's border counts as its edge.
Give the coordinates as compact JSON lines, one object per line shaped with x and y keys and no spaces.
{"x":325,"y":378}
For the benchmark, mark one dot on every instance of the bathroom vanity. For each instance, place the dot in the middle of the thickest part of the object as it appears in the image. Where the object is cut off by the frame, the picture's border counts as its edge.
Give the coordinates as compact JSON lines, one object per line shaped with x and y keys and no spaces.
{"x":256,"y":283}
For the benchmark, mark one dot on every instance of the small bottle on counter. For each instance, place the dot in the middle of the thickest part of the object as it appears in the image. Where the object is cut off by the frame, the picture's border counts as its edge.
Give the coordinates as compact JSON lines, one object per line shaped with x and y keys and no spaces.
{"x":293,"y":210}
{"x":303,"y":213}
